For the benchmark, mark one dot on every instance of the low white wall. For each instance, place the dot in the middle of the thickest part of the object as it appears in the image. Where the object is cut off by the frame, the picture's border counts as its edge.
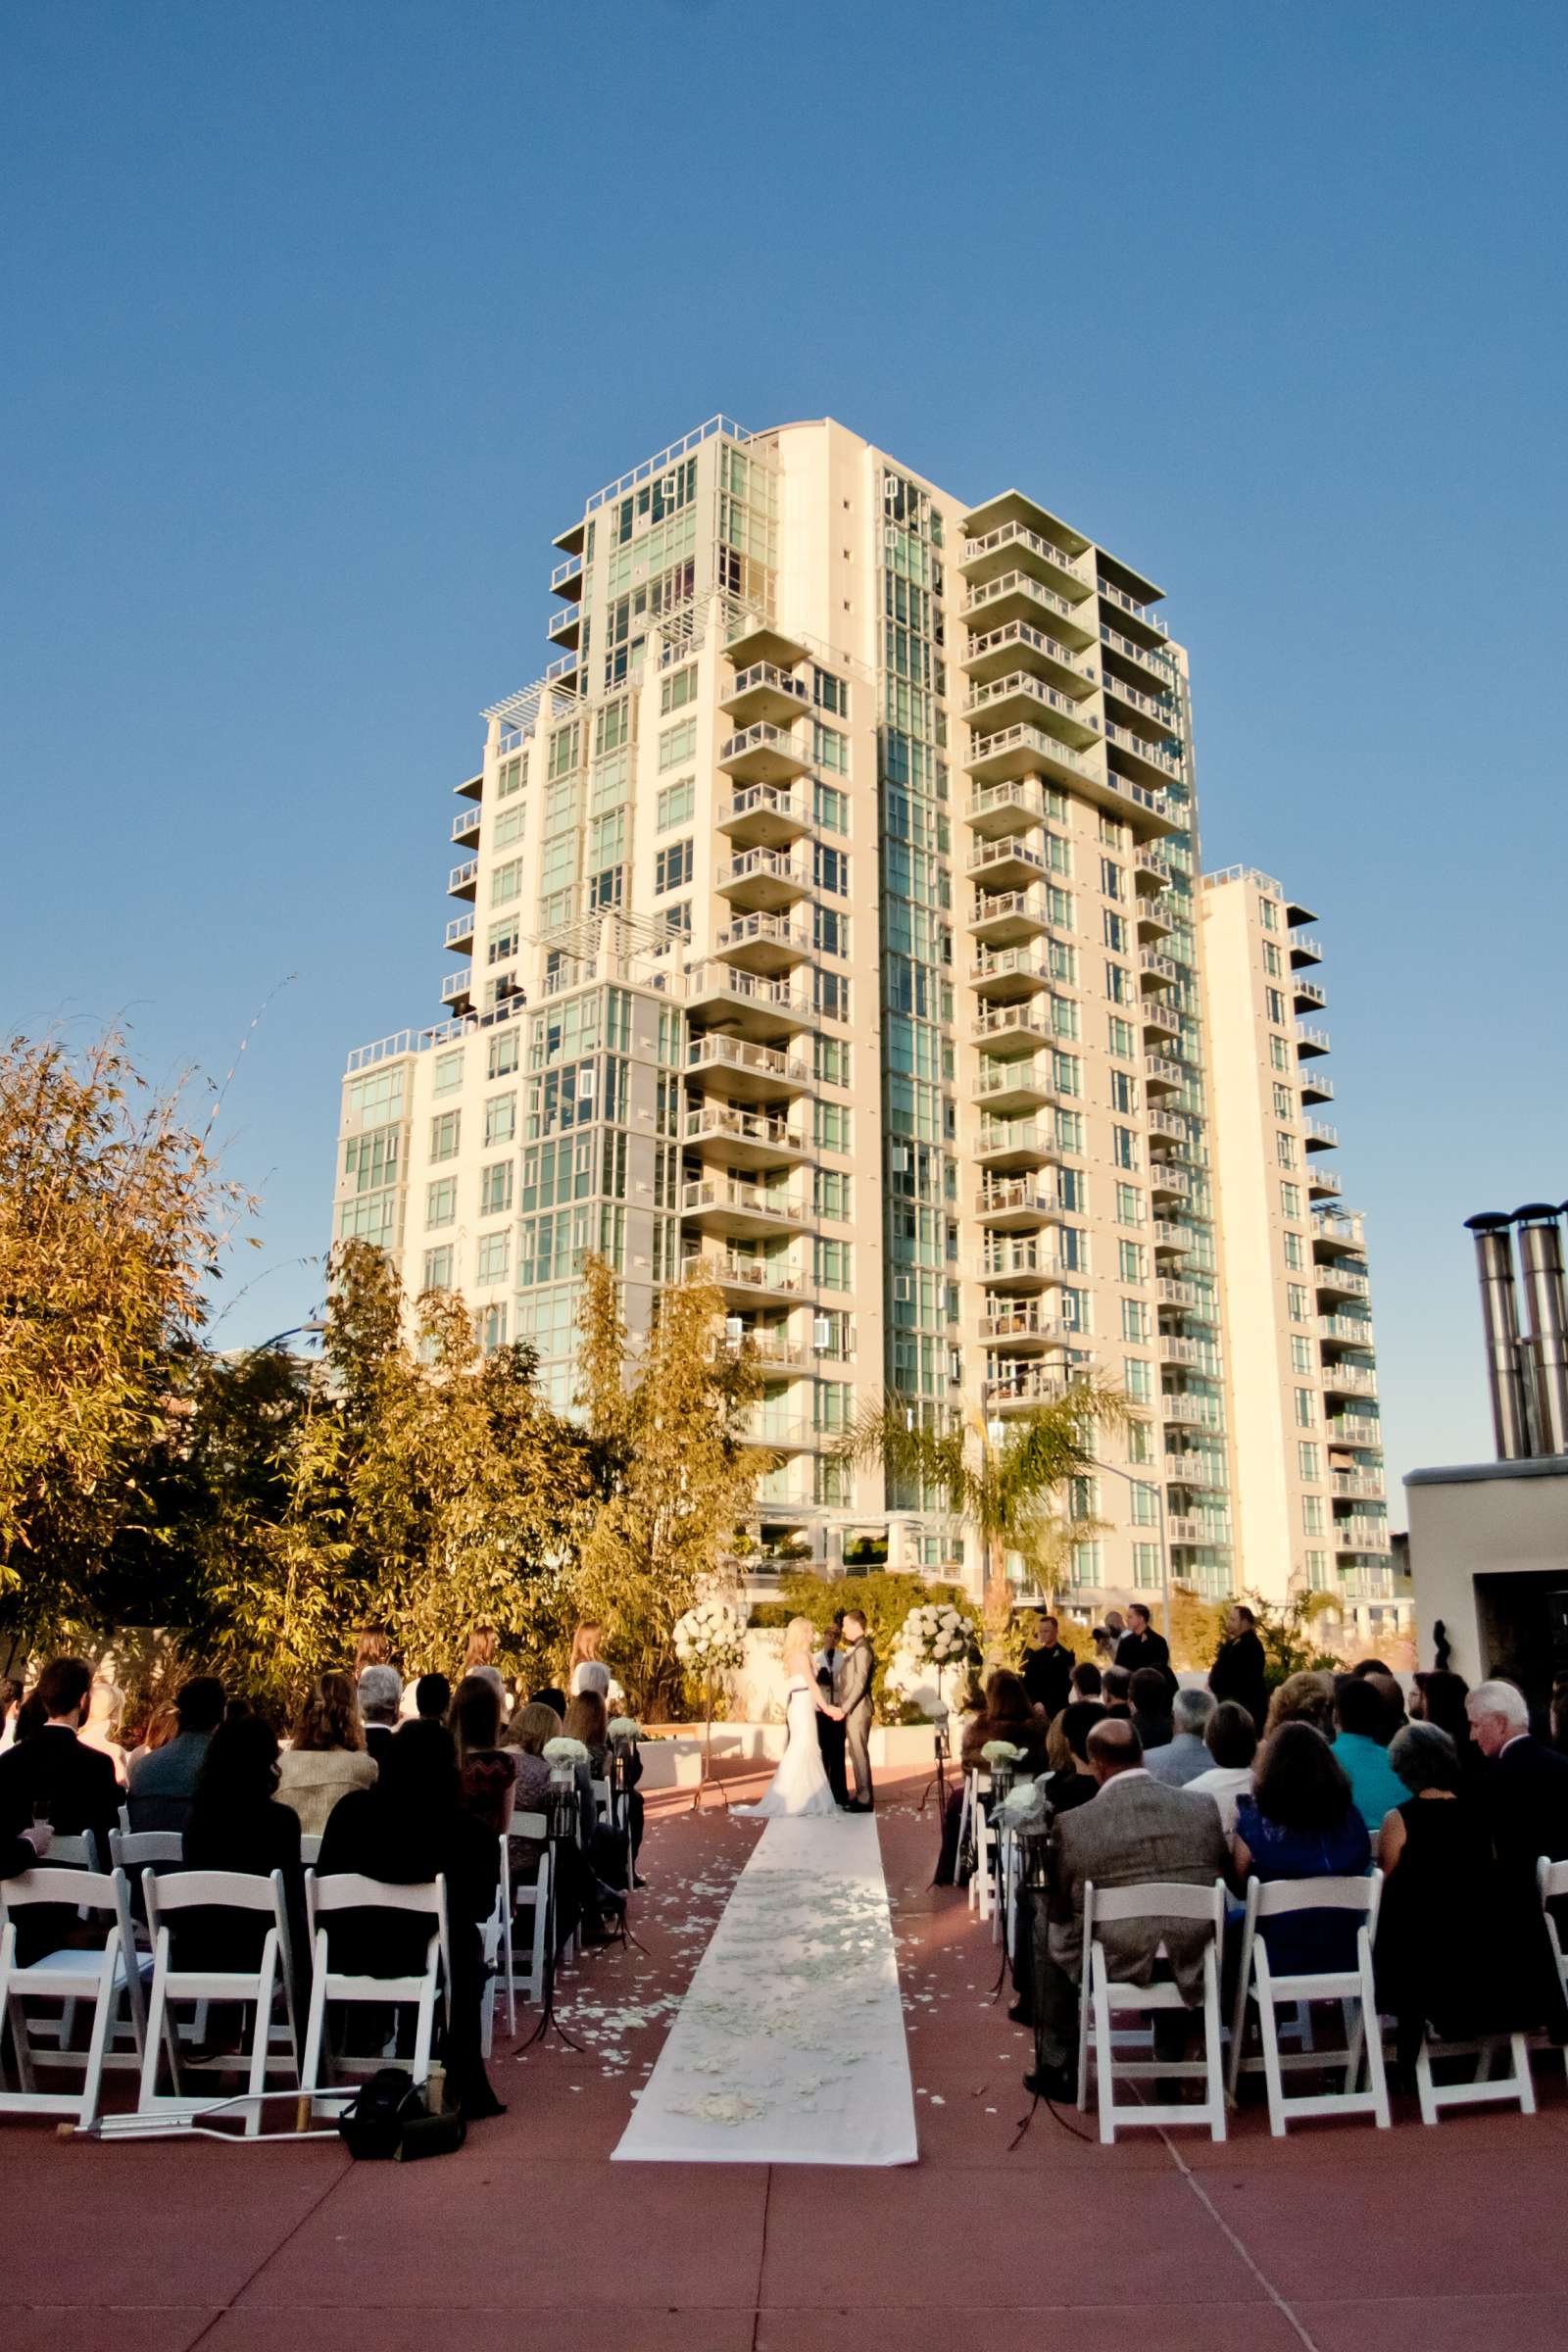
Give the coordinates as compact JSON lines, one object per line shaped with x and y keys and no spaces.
{"x":1481,"y":1519}
{"x":675,"y":1761}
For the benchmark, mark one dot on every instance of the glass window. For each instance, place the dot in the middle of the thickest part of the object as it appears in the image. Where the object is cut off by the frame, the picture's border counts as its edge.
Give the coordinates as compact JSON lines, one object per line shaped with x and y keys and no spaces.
{"x":441,"y":1202}
{"x":438,"y":1265}
{"x":1138,"y":1379}
{"x":1145,"y":1567}
{"x":676,"y":802}
{"x":673,"y":866}
{"x":445,"y":1129}
{"x":495,"y":1256}
{"x":504,"y":1054}
{"x":831,"y":809}
{"x":677,"y":744}
{"x":447,"y":1075}
{"x":831,"y":1194}
{"x":1129,"y":1261}
{"x":501,"y":1118}
{"x":495,"y":1188}
{"x":1289,"y":1200}
{"x":1305,"y":1408}
{"x":1129,"y":1205}
{"x":505,"y":881}
{"x":1308,"y":1459}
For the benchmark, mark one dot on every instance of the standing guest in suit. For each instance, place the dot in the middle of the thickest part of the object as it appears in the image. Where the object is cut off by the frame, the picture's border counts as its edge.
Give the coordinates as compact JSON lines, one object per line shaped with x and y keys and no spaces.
{"x":1184,"y":1756}
{"x":1151,"y":1697}
{"x":163,"y":1781}
{"x":829,"y":1668}
{"x":1363,"y":1725}
{"x":854,"y":1708}
{"x":380,"y":1697}
{"x":1239,"y":1669}
{"x":51,"y":1779}
{"x":1132,"y":1833}
{"x":328,"y":1755}
{"x":1048,"y":1666}
{"x":1140,"y":1646}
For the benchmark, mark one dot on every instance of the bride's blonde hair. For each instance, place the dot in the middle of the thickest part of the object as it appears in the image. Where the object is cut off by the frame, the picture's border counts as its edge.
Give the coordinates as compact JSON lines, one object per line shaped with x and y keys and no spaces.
{"x":798,"y":1646}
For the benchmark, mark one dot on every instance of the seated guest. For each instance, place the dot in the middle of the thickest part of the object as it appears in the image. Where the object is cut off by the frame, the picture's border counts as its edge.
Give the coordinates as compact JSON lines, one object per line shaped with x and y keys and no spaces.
{"x":1388,"y":1687}
{"x":486,"y":1773}
{"x":238,"y":1822}
{"x":1047,"y":1665}
{"x":105,"y":1707}
{"x":1117,"y":1685}
{"x":1239,"y":1668}
{"x":1300,"y":1699}
{"x":1007,"y":1714}
{"x":161,"y":1727}
{"x":1439,"y":1698}
{"x":550,"y":1696}
{"x":432,"y":1696}
{"x":11,"y":1692}
{"x":1231,"y":1743}
{"x":1087,"y":1681}
{"x":50,"y":1778}
{"x":1524,"y":1785}
{"x":588,"y":1720}
{"x":409,"y":1830}
{"x":328,"y":1756}
{"x":380,"y":1696}
{"x":1302,"y":1822}
{"x":1151,"y":1698}
{"x":1453,"y":1950}
{"x":1073,"y":1783}
{"x":19,"y":1853}
{"x":160,"y":1783}
{"x":1363,"y":1727}
{"x":1184,"y":1755}
{"x":524,"y":1739}
{"x":1133,"y":1833}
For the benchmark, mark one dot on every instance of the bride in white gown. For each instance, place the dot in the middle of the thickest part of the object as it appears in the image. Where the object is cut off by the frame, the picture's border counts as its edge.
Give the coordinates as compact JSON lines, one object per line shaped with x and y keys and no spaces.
{"x":800,"y":1786}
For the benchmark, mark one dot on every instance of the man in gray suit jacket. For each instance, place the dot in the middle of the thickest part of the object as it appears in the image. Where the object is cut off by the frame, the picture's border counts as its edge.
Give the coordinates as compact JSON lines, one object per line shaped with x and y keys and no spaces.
{"x":1132,"y":1833}
{"x":855,"y":1706}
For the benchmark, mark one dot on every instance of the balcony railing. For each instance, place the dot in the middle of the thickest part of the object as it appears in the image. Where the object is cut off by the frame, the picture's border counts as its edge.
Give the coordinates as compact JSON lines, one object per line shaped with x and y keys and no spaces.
{"x":1017,"y":1257}
{"x":745,"y":1126}
{"x":767,"y":674}
{"x":1122,"y":739}
{"x":1027,"y":738}
{"x":728,"y":1053}
{"x":765,"y":864}
{"x":1005,"y":1195}
{"x":1127,"y":604}
{"x":1350,"y":1380}
{"x":756,"y":1200}
{"x":1352,"y":1429}
{"x":1016,"y":583}
{"x":1013,"y":1020}
{"x":1018,"y":534}
{"x":1012,"y":849}
{"x":752,"y":1273}
{"x":1364,"y":1483}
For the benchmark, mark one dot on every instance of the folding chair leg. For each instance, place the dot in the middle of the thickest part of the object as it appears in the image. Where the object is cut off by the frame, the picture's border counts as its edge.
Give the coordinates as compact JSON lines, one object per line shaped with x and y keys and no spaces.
{"x":315,"y":2026}
{"x":1424,"y":2085}
{"x":424,"y":2034}
{"x":1214,"y":2081}
{"x":261,"y":2032}
{"x":510,"y":1962}
{"x":1273,"y":2075}
{"x":1522,"y":2073}
{"x":1102,"y":2065}
{"x":98,"y":2043}
{"x":1085,"y":2017}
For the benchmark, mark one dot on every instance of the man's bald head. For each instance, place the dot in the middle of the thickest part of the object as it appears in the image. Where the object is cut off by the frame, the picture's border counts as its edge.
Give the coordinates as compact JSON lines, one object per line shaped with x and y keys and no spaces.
{"x":1113,"y":1747}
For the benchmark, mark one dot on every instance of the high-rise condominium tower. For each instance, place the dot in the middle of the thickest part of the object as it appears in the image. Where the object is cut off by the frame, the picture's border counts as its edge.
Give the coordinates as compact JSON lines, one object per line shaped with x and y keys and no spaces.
{"x":829,"y":911}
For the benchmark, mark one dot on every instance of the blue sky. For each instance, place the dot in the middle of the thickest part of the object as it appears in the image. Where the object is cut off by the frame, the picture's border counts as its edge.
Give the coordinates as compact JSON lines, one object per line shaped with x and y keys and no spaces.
{"x":321,"y":322}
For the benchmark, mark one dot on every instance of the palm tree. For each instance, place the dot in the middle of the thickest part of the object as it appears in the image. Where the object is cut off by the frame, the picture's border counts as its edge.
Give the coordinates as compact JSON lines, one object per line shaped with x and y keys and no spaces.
{"x":1006,"y":1484}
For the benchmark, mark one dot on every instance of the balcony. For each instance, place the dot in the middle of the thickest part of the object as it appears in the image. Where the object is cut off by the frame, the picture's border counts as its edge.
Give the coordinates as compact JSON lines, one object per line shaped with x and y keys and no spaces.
{"x":765,"y":880}
{"x":1014,"y":547}
{"x":740,"y":1212}
{"x":1338,"y":1233}
{"x":767,"y":1010}
{"x":1308,"y":996}
{"x":744,"y":1277}
{"x":1190,"y":1412}
{"x":1174,"y":1240}
{"x":766,"y":754}
{"x":1013,"y":1086}
{"x":1017,"y":1204}
{"x":1321,"y":1183}
{"x":1181,"y":1530}
{"x":466,"y":825}
{"x":1012,"y":863}
{"x":1347,"y":1331}
{"x":1021,"y":1388}
{"x":1348,"y":1380}
{"x":1019,"y":596}
{"x":1319,"y":1136}
{"x":1135,"y":619}
{"x":1017,"y":1028}
{"x":1019,"y":645}
{"x":1366,"y":1485}
{"x":1140,"y":759}
{"x":1352,"y":1429}
{"x":1195,"y":1470}
{"x":463,"y":879}
{"x":460,"y":933}
{"x":1017,"y":1265}
{"x":1309,"y":1041}
{"x":457,"y":989}
{"x":1157,"y":710}
{"x":750,"y":1073}
{"x":1173,"y":1129}
{"x":565,"y":627}
{"x":1171,"y":1292}
{"x":1336,"y":1278}
{"x":1197,"y":1354}
{"x":763,"y":942}
{"x":1010,"y":972}
{"x":1008,"y":753}
{"x":999,"y":809}
{"x":1024,"y":1329}
{"x":760,"y":641}
{"x":764,"y":691}
{"x":1304,"y":951}
{"x":766,"y":816}
{"x":1361,"y":1535}
{"x":1315,"y":1087}
{"x":775,"y":1353}
{"x":784,"y":1433}
{"x":1168,"y":1183}
{"x":1155,"y":918}
{"x":1155,"y":970}
{"x":566,"y":579}
{"x":1151,"y":871}
{"x":1007,"y":918}
{"x":1158,"y":1021}
{"x":743,"y":1139}
{"x":1022,"y":700}
{"x":1168,"y":1076}
{"x":1008,"y":1144}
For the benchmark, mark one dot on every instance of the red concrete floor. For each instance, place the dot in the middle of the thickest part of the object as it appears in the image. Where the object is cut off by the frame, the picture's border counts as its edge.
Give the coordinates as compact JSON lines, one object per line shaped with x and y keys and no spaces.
{"x":1333,"y":2238}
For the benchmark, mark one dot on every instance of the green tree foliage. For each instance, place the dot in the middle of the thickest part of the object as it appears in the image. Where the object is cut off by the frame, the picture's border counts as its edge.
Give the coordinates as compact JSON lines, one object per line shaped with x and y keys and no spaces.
{"x":675,"y":1470}
{"x":112,"y":1219}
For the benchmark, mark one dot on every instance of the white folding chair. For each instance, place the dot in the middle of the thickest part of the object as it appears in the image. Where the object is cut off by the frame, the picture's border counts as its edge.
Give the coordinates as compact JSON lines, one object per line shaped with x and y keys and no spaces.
{"x":136,"y":1850}
{"x":257,"y":1988}
{"x":74,"y":1854}
{"x":1258,"y":1989}
{"x":67,"y":1975}
{"x":310,"y":1852}
{"x":497,"y":1957}
{"x":327,"y":1897}
{"x":1104,"y":1994}
{"x":983,"y":1880}
{"x":1551,"y":1883}
{"x":531,"y":1894}
{"x":600,"y":1790}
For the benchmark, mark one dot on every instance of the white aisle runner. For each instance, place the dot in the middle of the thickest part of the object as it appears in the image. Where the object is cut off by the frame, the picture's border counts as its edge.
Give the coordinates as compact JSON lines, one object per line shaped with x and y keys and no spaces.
{"x":789,"y":2047}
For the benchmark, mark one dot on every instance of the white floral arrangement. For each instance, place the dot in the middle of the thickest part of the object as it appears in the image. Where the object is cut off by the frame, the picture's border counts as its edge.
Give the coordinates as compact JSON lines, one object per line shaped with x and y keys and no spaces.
{"x":623,"y":1727}
{"x":564,"y":1751}
{"x":995,"y":1751}
{"x":936,"y":1634}
{"x":1023,"y":1803}
{"x":710,"y":1637}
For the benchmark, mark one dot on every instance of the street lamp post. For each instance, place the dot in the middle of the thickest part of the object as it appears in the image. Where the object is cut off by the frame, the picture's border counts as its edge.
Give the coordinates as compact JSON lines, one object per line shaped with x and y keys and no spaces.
{"x":1160,"y":1522}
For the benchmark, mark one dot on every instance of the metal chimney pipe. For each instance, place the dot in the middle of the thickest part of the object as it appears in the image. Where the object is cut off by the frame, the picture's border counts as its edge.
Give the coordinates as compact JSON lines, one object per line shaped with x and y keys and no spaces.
{"x":1547,"y":1309}
{"x":1510,"y":1419}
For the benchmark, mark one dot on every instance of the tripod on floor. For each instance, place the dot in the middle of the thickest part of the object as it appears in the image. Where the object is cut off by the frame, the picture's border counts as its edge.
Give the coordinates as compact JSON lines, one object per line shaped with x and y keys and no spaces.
{"x":564,"y":1819}
{"x":937,"y":1781}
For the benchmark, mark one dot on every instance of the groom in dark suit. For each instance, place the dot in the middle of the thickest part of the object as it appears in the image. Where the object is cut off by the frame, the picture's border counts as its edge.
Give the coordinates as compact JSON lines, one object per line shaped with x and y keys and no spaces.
{"x":854,"y":1705}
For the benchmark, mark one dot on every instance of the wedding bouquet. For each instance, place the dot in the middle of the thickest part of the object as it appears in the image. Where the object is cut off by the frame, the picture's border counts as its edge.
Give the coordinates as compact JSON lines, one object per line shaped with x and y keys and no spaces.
{"x":564,"y":1751}
{"x":936,"y":1634}
{"x":710,"y":1637}
{"x":1002,"y":1751}
{"x":623,"y":1726}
